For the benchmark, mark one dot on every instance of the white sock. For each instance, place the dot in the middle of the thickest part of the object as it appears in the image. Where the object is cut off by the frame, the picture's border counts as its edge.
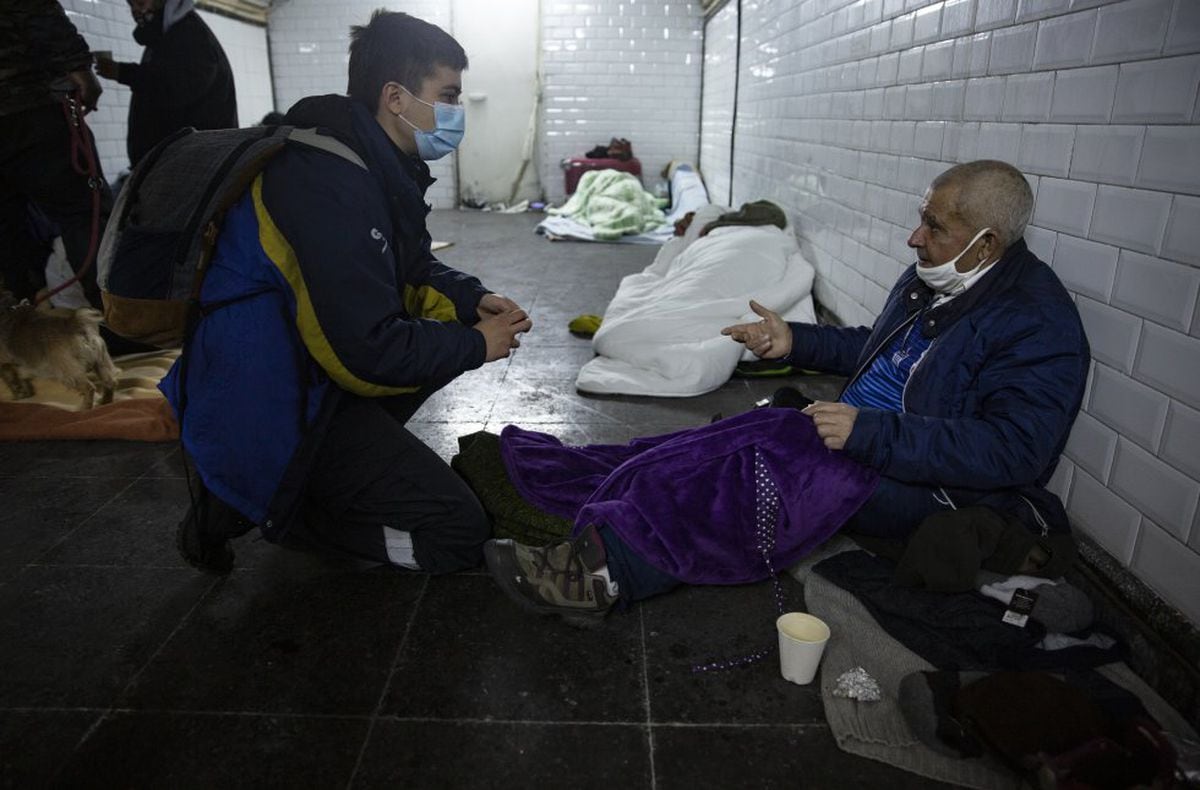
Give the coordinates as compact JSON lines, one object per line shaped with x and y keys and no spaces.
{"x":400,"y":548}
{"x":613,"y":588}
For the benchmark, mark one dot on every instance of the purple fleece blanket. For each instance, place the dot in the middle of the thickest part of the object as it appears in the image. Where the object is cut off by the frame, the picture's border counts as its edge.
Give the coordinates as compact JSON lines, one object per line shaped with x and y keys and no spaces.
{"x":686,"y":501}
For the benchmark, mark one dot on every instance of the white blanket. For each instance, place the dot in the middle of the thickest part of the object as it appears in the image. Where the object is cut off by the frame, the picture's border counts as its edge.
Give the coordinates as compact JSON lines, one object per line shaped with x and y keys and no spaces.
{"x":661,"y":334}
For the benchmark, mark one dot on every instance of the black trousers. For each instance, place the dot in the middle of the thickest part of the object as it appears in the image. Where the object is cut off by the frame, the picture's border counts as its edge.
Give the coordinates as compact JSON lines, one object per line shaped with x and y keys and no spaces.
{"x":35,"y":166}
{"x":372,"y":479}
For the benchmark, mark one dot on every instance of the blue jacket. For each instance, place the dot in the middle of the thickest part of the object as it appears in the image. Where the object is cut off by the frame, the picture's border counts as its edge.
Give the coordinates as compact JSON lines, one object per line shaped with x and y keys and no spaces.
{"x":988,"y":408}
{"x":321,"y":283}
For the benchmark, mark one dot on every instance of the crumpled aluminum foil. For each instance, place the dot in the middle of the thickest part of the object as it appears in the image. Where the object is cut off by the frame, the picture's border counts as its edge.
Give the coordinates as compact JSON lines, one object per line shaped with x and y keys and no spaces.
{"x":857,"y":684}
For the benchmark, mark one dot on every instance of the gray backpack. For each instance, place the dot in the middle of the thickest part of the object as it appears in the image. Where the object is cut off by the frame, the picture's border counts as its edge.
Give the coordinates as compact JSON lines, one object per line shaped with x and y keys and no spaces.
{"x":164,"y":224}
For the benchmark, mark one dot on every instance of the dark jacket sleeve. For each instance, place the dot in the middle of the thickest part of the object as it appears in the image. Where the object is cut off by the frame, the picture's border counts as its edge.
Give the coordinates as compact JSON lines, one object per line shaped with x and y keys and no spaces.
{"x":335,"y":239}
{"x":53,"y":40}
{"x":1028,"y":392}
{"x":829,"y":349}
{"x":463,"y":290}
{"x":183,"y":64}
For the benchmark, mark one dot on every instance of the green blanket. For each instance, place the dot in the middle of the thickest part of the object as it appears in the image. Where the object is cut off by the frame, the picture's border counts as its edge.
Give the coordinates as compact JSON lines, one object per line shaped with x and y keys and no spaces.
{"x":613,"y":204}
{"x":479,"y":463}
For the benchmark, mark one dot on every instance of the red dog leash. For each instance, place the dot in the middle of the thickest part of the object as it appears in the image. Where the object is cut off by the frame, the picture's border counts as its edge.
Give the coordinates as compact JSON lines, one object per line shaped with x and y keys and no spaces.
{"x":83,"y":162}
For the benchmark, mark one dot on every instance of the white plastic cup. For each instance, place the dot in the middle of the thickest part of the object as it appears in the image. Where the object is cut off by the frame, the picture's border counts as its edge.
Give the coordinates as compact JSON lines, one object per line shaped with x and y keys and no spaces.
{"x":802,"y":639}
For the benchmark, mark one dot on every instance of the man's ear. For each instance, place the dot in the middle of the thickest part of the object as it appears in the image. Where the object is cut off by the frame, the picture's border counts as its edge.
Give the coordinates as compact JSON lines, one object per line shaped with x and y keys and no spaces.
{"x":394,"y":98}
{"x":989,"y":245}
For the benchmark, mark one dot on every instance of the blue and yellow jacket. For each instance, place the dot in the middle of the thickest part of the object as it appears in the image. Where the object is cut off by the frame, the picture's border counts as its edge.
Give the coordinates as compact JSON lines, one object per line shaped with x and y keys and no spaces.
{"x":322,"y":283}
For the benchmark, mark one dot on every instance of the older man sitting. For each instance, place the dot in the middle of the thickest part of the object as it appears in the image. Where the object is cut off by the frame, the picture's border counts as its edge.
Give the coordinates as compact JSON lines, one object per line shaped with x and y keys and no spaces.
{"x":962,"y":393}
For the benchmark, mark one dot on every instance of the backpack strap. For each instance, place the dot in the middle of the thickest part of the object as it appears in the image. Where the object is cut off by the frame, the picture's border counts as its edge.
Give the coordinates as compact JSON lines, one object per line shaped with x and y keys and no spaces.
{"x":324,"y":142}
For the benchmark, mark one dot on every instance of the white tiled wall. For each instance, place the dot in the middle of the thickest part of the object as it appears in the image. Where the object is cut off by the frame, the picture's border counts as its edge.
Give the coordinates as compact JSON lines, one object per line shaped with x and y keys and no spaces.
{"x":106,"y":24}
{"x":619,"y":68}
{"x":720,"y":80}
{"x":847,"y":108}
{"x":310,"y":41}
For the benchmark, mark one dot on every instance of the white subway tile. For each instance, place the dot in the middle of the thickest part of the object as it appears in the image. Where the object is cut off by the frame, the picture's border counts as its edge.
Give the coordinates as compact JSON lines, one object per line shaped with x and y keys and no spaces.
{"x":984,"y":100}
{"x":1036,"y":9}
{"x":1171,"y":159}
{"x":1065,"y":41}
{"x":957,"y":17}
{"x":1131,"y":29}
{"x":927,"y":142}
{"x":948,"y":100}
{"x":995,"y":13}
{"x":1132,"y":218}
{"x":1027,"y":98}
{"x":881,"y":37}
{"x":1084,"y":95}
{"x":1092,"y":445}
{"x":1107,"y":154}
{"x":1041,"y":242}
{"x":1182,"y":242}
{"x":1086,"y":267}
{"x":1170,"y":568}
{"x":927,"y":23}
{"x":902,"y":31}
{"x":938,"y":63}
{"x":1134,"y":410}
{"x":1113,"y":334}
{"x":1107,"y":518}
{"x":1181,"y":438}
{"x":1012,"y":49}
{"x":1163,"y":291}
{"x":1183,"y":34}
{"x":889,"y":67}
{"x":1060,"y":482}
{"x":1155,"y":488}
{"x":1170,"y":362}
{"x":910,"y":65}
{"x":1065,"y":205}
{"x":971,"y":55}
{"x":999,"y":141}
{"x":894,"y":101}
{"x":1157,"y":91}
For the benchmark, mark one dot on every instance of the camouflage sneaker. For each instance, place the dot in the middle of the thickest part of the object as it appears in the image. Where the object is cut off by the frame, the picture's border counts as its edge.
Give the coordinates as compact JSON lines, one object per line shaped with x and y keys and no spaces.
{"x":557,"y":579}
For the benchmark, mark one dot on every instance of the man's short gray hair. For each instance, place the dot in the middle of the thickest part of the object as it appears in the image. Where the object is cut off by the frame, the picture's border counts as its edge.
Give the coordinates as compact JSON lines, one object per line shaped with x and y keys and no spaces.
{"x":991,"y":194}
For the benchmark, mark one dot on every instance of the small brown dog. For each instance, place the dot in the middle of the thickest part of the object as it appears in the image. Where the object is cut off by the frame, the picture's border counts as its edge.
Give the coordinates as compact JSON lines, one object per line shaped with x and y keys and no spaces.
{"x":59,"y":344}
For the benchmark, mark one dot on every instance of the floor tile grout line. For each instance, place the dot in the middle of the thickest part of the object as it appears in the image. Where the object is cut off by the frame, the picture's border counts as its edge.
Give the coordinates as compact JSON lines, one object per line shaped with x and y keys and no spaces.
{"x":646,"y":697}
{"x":387,"y":685}
{"x":351,"y":717}
{"x":133,"y":678}
{"x":83,"y":522}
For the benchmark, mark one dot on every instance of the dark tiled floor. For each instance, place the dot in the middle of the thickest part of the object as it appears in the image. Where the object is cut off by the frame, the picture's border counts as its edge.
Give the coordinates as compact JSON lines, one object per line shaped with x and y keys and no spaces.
{"x":120,"y":666}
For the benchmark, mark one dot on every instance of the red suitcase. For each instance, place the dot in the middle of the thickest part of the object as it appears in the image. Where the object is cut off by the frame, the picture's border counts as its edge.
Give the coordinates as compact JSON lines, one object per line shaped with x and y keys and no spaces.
{"x":576,"y":166}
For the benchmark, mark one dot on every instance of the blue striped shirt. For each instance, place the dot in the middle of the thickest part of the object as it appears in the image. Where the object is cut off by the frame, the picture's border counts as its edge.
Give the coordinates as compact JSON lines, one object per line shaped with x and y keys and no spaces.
{"x":881,"y":386}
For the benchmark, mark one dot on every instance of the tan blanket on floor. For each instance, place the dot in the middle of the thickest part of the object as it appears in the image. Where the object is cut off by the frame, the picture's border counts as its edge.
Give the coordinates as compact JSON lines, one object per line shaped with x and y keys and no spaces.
{"x":139,"y":412}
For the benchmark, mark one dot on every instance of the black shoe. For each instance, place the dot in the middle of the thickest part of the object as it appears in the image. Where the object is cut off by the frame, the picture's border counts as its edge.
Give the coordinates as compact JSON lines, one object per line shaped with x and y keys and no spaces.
{"x":203,"y":535}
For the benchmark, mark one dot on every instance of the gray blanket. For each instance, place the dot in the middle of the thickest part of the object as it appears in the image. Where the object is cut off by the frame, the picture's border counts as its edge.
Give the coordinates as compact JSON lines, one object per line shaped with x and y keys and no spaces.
{"x":877,"y":729}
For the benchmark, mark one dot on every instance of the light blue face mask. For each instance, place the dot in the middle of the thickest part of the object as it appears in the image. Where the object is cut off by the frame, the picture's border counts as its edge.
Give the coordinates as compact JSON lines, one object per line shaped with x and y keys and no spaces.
{"x":449,"y":122}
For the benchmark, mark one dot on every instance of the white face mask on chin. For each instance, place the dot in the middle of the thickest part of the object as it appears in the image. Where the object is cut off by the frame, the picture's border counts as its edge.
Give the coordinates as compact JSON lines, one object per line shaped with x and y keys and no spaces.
{"x":944,"y":278}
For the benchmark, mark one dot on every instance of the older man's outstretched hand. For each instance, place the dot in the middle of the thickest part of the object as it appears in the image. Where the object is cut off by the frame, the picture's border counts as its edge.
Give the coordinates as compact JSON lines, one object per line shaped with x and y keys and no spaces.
{"x":770,"y":338}
{"x":834,"y":422}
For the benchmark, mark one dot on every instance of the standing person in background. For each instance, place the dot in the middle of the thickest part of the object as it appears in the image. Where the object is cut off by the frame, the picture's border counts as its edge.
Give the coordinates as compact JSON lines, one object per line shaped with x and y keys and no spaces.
{"x":43,"y":62}
{"x":183,"y":80}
